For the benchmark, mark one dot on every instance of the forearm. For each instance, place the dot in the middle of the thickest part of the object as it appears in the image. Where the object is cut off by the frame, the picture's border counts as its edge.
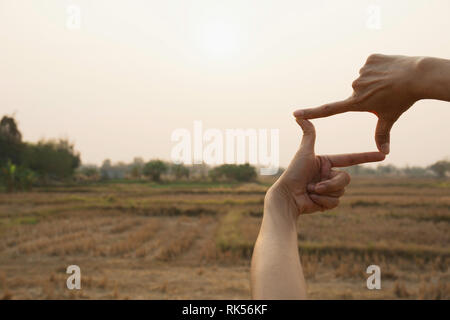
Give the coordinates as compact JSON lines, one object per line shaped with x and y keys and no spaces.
{"x":434,"y":79}
{"x":276,"y":272}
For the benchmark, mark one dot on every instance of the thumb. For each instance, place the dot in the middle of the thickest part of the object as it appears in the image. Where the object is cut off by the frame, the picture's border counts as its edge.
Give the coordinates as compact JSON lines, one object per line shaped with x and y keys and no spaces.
{"x":309,"y":135}
{"x":382,"y":135}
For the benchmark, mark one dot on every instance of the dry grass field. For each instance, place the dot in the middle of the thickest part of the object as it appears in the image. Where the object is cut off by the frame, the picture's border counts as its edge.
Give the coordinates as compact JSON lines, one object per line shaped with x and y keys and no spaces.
{"x":194,"y":241}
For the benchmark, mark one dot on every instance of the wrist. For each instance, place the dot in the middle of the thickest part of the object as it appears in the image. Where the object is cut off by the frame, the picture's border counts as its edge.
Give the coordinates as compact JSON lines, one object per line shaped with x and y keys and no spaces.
{"x":430,"y":71}
{"x":420,"y":68}
{"x":280,"y":204}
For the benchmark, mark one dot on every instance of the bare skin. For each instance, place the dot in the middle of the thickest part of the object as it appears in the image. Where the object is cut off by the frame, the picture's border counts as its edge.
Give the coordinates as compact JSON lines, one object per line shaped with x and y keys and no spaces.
{"x":389,"y":85}
{"x":309,"y":184}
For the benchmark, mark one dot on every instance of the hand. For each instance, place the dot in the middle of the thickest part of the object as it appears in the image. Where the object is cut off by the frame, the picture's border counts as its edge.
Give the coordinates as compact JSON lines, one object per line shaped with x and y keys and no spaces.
{"x":387,"y":86}
{"x":309,"y":183}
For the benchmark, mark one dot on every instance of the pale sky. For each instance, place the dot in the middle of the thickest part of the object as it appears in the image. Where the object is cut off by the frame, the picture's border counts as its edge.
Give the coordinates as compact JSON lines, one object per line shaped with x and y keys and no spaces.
{"x":137,"y":70}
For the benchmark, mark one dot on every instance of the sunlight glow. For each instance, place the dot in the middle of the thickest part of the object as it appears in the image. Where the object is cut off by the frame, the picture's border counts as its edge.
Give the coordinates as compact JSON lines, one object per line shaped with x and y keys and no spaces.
{"x":219,"y":40}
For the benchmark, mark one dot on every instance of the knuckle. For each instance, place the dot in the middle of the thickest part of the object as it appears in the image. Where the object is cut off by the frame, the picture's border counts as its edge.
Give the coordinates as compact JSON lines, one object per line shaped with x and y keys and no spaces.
{"x":325,"y":186}
{"x":344,"y":177}
{"x":347,"y":178}
{"x":356,"y":99}
{"x":381,"y":135}
{"x":363,"y":70}
{"x":373,"y":57}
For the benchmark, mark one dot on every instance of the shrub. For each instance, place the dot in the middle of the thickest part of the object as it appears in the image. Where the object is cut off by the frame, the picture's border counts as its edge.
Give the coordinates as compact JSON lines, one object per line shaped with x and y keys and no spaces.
{"x":441,"y":168}
{"x":154,"y":169}
{"x":180,"y":171}
{"x":241,"y":173}
{"x":17,"y":178}
{"x":53,"y":159}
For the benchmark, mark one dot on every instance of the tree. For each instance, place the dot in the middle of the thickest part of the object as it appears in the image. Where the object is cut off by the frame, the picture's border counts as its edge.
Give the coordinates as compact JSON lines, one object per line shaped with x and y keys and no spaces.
{"x":105,"y":169}
{"x":110,"y":171}
{"x":154,"y":169}
{"x":25,"y":178}
{"x":88,"y":172}
{"x":241,"y":173}
{"x":136,"y":168}
{"x":386,"y":169}
{"x":11,"y":146}
{"x":16,"y":177}
{"x":52,"y":159}
{"x":9,"y":129}
{"x":415,"y":171}
{"x":441,"y":168}
{"x":9,"y":176}
{"x":180,"y":171}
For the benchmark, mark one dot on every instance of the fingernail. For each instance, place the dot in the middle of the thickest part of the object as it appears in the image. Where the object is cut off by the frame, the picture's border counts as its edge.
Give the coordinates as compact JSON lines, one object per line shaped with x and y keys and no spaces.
{"x":311,"y":188}
{"x":299,"y":113}
{"x":320,"y":188}
{"x":385,"y":148}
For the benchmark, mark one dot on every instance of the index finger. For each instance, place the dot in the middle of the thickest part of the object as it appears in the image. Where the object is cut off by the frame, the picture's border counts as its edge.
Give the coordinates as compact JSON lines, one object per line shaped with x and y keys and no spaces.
{"x":350,"y":159}
{"x":325,"y":110}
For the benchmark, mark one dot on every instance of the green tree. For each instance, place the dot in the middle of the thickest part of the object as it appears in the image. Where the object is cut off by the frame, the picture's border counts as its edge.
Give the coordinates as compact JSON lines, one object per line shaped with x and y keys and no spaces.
{"x":386,"y":169}
{"x":10,"y":130}
{"x":136,"y":168}
{"x":17,"y":178}
{"x":232,"y":172}
{"x":11,"y":146}
{"x":105,"y":169}
{"x":180,"y":171}
{"x":441,"y":168}
{"x":415,"y":171}
{"x":52,"y":160}
{"x":90,"y":172}
{"x":25,"y":178}
{"x":154,"y":169}
{"x":9,"y":176}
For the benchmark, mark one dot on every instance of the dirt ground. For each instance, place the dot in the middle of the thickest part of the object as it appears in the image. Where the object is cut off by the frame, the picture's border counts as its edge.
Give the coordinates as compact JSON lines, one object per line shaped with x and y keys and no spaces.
{"x":190,"y":241}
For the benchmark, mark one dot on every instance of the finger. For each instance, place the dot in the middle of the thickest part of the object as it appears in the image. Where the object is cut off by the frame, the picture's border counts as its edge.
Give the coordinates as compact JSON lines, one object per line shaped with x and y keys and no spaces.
{"x":339,"y":181}
{"x":309,"y":135}
{"x":339,"y":193}
{"x":325,"y":110}
{"x":336,"y":194}
{"x":325,"y":168}
{"x":325,"y":202}
{"x":382,"y":135}
{"x":350,"y":159}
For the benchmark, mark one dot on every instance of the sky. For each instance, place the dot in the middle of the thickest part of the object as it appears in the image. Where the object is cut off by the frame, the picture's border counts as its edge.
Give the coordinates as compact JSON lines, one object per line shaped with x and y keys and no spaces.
{"x":117,"y":78}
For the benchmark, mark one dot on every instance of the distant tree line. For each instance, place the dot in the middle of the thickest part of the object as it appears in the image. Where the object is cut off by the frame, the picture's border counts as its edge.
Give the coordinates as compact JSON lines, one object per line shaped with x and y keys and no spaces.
{"x":158,"y":171}
{"x":440,"y":169}
{"x":23,"y":164}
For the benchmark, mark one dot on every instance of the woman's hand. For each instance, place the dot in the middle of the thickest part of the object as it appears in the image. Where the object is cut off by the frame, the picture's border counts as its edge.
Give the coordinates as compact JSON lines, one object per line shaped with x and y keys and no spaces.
{"x":310,"y":183}
{"x":388,"y":85}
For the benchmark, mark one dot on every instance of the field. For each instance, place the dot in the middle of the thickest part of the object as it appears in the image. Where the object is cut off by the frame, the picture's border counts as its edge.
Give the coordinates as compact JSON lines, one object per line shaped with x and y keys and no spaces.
{"x":194,"y":241}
